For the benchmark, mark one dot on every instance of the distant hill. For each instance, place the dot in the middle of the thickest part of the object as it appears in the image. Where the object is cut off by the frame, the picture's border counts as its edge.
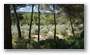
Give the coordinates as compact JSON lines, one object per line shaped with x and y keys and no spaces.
{"x":33,"y":13}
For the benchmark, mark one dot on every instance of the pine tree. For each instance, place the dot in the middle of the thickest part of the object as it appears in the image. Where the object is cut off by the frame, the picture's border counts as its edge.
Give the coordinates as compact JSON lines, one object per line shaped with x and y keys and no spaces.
{"x":7,"y":27}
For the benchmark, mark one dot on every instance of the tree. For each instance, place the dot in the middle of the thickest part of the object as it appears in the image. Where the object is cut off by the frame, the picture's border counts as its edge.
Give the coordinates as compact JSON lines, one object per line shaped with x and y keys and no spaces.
{"x":7,"y":27}
{"x":71,"y":25}
{"x":17,"y":21}
{"x":74,"y":11}
{"x":38,"y":24}
{"x":31,"y":22}
{"x":70,"y":10}
{"x":54,"y":23}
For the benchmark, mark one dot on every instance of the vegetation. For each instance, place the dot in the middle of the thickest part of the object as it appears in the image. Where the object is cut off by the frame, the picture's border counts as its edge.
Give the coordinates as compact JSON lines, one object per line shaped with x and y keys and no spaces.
{"x":70,"y":42}
{"x":59,"y":27}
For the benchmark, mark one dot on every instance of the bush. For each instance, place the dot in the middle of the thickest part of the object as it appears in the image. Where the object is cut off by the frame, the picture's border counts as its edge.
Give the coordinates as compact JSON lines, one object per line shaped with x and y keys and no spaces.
{"x":49,"y":26}
{"x":14,"y":30}
{"x":35,"y":29}
{"x":32,"y":32}
{"x":20,"y":43}
{"x":41,"y":26}
{"x":51,"y":44}
{"x":76,"y":42}
{"x":50,"y":36}
{"x":62,"y":29}
{"x":81,"y":27}
{"x":52,"y":28}
{"x":44,"y":30}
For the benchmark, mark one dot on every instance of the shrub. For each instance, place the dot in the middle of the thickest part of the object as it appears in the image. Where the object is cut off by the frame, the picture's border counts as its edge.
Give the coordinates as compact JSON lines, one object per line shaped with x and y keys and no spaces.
{"x":41,"y":26}
{"x":32,"y":31}
{"x":33,"y":26}
{"x":35,"y":29}
{"x":52,"y":28}
{"x":49,"y":26}
{"x":62,"y":29}
{"x":50,"y":36}
{"x":14,"y":30}
{"x":76,"y":42}
{"x":44,"y":30}
{"x":20,"y":43}
{"x":81,"y":27}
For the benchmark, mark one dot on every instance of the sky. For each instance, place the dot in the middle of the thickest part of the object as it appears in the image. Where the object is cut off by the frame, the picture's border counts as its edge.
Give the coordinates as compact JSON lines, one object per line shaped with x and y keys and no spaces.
{"x":29,"y":9}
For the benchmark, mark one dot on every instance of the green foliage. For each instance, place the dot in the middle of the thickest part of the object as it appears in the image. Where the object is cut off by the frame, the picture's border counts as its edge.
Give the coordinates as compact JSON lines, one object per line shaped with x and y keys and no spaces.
{"x":35,"y":29}
{"x":61,"y":29}
{"x":59,"y":44}
{"x":47,"y":26}
{"x":44,"y":30}
{"x":76,"y":42}
{"x":52,"y":28}
{"x":70,"y":42}
{"x":20,"y":43}
{"x":81,"y":27}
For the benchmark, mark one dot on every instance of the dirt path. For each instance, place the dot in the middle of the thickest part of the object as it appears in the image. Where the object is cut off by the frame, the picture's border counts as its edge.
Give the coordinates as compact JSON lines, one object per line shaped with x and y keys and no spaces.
{"x":46,"y":37}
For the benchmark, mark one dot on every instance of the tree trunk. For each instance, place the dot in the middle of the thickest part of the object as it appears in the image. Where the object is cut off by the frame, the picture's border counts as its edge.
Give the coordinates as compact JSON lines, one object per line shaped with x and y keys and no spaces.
{"x":38,"y":24}
{"x":7,"y":27}
{"x":55,"y":25}
{"x":17,"y":21}
{"x":31,"y":22}
{"x":71,"y":25}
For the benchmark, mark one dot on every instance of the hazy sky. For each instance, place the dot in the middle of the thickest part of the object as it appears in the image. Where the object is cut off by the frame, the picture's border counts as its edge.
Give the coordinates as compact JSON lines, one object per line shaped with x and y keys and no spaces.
{"x":29,"y":9}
